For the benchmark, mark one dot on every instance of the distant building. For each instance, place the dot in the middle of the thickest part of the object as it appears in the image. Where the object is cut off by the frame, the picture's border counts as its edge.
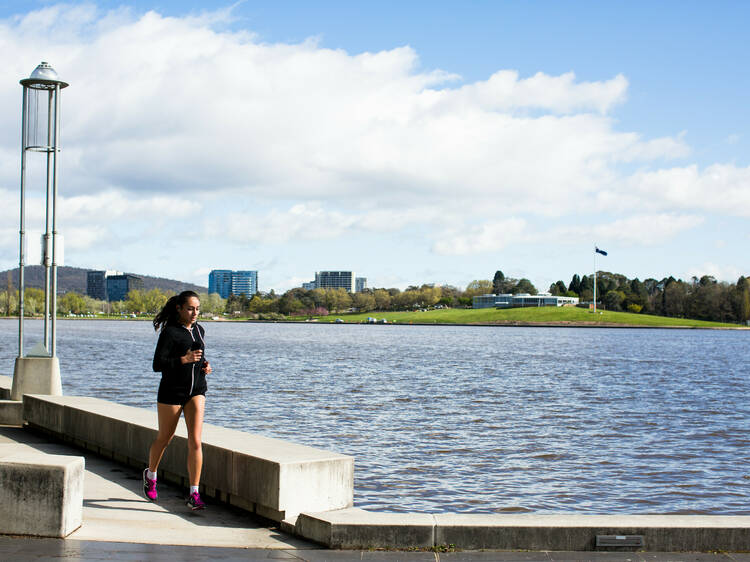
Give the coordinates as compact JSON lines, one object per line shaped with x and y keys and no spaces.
{"x":335,"y":280}
{"x":521,"y":300}
{"x":244,"y":283}
{"x":96,"y":283}
{"x":118,"y":286}
{"x":360,"y":284}
{"x":227,"y":282}
{"x":220,"y":281}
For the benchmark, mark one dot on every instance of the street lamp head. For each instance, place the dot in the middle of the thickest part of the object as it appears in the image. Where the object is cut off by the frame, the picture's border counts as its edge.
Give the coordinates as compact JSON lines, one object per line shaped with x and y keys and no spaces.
{"x":44,"y":77}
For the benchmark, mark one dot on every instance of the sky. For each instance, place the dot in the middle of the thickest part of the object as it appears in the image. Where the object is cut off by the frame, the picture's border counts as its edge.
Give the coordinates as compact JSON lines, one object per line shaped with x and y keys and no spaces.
{"x":411,"y":142}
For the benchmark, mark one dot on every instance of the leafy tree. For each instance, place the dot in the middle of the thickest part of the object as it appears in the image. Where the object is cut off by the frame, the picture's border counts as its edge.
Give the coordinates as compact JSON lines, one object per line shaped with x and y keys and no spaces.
{"x":10,"y":296}
{"x":498,"y":282}
{"x":288,"y":304}
{"x":742,"y":300}
{"x":449,"y":295}
{"x":478,"y":287}
{"x":72,"y":302}
{"x":674,"y":298}
{"x":364,"y":302}
{"x":575,"y":284}
{"x":382,"y":299}
{"x":255,"y":305}
{"x":212,"y":304}
{"x":558,"y":288}
{"x":524,"y":286}
{"x":430,"y":295}
{"x":33,"y":301}
{"x":613,"y":300}
{"x":155,"y":299}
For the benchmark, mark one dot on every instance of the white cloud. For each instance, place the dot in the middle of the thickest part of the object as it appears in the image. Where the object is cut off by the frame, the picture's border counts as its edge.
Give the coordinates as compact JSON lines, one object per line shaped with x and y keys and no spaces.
{"x":305,"y":221}
{"x":170,"y":120}
{"x":560,"y":94}
{"x":639,"y":230}
{"x":487,"y":237}
{"x":161,"y":104}
{"x":719,"y":188}
{"x":724,"y":272}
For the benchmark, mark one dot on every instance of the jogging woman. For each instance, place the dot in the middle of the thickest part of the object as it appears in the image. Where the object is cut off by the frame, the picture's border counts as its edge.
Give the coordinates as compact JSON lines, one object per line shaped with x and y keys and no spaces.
{"x":179,"y":357}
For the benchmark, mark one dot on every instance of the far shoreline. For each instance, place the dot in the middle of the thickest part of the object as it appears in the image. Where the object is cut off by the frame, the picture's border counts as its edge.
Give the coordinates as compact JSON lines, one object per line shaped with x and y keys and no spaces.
{"x":509,"y":324}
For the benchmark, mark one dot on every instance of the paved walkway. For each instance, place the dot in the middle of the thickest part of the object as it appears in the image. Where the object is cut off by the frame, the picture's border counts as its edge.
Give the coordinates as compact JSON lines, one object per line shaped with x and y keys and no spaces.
{"x":12,"y":548}
{"x":119,"y":524}
{"x":114,"y":508}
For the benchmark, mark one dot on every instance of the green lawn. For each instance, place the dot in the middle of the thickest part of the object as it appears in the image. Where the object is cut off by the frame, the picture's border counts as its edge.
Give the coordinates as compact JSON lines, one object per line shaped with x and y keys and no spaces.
{"x":541,"y":315}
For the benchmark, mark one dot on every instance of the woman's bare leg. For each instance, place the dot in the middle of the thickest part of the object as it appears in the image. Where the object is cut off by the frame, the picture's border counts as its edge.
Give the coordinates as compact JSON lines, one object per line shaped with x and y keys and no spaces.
{"x":194,"y":420}
{"x":169,"y":416}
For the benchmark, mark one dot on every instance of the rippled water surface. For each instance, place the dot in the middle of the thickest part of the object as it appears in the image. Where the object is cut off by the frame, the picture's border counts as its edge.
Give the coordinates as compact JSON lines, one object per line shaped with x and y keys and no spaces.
{"x":480,"y":419}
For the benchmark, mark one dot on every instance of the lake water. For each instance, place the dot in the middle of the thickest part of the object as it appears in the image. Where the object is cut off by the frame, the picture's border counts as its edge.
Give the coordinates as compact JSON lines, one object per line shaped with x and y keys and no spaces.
{"x":465,"y":419}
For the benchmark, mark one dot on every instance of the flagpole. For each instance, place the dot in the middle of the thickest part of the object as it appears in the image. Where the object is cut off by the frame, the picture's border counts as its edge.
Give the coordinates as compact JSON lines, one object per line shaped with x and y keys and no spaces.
{"x":595,"y":252}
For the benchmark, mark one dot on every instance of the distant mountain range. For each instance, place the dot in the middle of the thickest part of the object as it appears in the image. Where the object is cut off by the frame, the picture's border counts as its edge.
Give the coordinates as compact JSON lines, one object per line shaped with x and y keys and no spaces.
{"x":74,"y":279}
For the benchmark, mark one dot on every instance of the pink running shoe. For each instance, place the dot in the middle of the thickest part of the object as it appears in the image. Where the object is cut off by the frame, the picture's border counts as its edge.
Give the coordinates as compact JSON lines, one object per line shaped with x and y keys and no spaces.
{"x":195,"y":502}
{"x":149,"y":486}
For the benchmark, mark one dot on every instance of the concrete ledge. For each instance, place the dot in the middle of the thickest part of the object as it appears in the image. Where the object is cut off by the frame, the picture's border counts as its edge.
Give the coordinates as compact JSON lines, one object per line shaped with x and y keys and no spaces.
{"x":273,"y":478}
{"x":41,"y":494}
{"x":11,"y":412}
{"x":358,"y":529}
{"x":666,"y":533}
{"x":355,"y":528}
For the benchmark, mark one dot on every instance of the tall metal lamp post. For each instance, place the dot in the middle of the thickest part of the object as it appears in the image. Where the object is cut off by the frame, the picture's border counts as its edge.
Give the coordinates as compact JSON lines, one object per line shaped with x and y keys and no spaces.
{"x":39,"y":371}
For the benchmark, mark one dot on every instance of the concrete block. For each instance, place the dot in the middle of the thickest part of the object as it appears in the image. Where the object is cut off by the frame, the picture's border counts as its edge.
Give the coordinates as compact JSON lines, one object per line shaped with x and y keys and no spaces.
{"x":285,"y":478}
{"x":36,"y":375}
{"x":41,"y":494}
{"x":315,"y":484}
{"x":354,"y":528}
{"x":11,"y":412}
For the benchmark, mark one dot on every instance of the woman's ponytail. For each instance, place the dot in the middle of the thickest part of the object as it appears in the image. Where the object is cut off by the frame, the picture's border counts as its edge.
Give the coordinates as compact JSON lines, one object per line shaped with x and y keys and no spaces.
{"x":168,"y":313}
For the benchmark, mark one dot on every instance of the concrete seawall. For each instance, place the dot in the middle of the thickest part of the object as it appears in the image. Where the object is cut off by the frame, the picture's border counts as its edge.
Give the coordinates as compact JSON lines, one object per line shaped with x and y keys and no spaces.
{"x":272,"y":478}
{"x":310,"y":491}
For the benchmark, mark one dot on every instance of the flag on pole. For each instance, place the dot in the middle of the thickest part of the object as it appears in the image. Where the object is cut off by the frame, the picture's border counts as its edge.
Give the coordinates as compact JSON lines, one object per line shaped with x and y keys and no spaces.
{"x":598,"y":251}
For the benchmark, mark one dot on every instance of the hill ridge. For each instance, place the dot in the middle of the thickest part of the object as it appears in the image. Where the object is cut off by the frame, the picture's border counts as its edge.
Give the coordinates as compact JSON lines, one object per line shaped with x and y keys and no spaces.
{"x":73,"y":279}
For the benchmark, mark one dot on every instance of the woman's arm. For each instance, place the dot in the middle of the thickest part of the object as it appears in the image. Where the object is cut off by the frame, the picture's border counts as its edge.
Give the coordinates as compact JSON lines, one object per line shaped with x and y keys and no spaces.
{"x":165,"y":358}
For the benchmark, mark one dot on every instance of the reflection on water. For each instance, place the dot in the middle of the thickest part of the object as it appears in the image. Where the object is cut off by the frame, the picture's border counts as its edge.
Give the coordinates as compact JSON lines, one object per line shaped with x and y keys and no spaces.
{"x":462,"y":419}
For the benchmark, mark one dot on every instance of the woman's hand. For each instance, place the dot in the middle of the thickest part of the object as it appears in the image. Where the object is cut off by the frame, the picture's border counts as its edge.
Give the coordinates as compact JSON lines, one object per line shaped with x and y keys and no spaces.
{"x":207,"y":368}
{"x":192,"y":356}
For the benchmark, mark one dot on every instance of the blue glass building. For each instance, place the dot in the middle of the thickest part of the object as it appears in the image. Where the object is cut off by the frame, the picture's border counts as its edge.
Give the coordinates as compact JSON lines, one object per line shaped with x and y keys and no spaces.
{"x":118,"y":286}
{"x":226,"y":282}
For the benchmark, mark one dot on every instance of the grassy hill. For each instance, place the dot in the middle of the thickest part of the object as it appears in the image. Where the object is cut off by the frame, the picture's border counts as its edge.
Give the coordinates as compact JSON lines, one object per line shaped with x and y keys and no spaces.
{"x":563,"y":316}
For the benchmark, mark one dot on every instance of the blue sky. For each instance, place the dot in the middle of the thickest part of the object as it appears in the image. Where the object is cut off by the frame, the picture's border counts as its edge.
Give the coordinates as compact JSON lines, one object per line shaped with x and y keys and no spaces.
{"x":409,"y":141}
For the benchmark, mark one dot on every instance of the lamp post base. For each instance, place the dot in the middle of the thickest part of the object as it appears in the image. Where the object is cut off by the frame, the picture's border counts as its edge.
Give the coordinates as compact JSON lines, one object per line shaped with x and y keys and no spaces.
{"x":36,"y":375}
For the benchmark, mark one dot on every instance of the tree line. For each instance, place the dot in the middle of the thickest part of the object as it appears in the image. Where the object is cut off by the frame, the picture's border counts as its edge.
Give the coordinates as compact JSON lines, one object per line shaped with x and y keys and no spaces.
{"x":138,"y":302}
{"x":702,"y":298}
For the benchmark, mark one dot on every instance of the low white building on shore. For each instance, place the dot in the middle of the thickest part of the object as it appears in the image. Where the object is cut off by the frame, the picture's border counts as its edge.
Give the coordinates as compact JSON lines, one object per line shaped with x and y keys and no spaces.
{"x":521,"y":300}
